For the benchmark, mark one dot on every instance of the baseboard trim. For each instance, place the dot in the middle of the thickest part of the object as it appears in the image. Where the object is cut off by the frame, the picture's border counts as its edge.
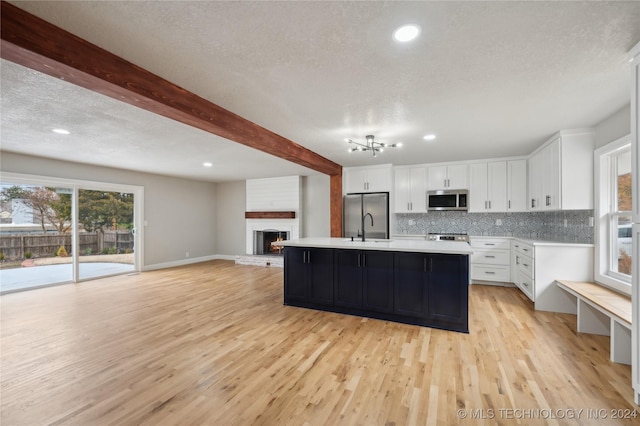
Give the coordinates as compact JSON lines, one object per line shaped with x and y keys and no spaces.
{"x":173,"y":264}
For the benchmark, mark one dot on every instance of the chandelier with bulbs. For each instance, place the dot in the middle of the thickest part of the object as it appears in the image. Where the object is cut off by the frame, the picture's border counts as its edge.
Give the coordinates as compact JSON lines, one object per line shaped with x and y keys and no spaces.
{"x":371,"y":145}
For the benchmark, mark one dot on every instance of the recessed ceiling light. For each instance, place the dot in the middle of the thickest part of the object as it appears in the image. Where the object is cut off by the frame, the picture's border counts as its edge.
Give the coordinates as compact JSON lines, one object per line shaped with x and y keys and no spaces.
{"x":429,"y":137}
{"x":61,"y":131}
{"x":207,"y":164}
{"x":406,"y":33}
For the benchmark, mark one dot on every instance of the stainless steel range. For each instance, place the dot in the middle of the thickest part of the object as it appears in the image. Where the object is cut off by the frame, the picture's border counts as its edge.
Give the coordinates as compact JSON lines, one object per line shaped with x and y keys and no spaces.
{"x":433,"y":236}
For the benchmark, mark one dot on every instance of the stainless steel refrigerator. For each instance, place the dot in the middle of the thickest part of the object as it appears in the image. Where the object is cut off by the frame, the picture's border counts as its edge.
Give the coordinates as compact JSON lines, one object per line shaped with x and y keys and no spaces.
{"x":355,"y":206}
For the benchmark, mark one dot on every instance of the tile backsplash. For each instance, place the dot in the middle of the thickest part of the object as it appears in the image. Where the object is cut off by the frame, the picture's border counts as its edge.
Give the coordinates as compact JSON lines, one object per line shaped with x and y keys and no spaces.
{"x":569,"y":226}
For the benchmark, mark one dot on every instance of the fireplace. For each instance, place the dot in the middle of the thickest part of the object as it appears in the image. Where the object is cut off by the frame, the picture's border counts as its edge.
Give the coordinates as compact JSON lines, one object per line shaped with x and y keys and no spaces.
{"x":262,"y":241}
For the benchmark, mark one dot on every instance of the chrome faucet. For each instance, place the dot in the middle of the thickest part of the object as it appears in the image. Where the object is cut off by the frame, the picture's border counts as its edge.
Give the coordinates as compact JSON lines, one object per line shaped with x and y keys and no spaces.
{"x":367,"y":214}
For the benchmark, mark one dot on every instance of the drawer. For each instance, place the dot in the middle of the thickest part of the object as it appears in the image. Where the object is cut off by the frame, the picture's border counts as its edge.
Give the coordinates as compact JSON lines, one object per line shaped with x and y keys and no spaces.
{"x":491,"y":243}
{"x":525,"y":265}
{"x":523,"y":248}
{"x":491,"y":257}
{"x":526,"y":284}
{"x":490,"y":273}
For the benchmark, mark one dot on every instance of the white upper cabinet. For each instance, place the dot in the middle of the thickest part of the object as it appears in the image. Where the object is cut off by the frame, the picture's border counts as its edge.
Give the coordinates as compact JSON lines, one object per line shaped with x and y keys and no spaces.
{"x":517,"y":186}
{"x":410,"y":190}
{"x":454,"y":176}
{"x":561,"y":173}
{"x":488,"y":187}
{"x":367,"y":179}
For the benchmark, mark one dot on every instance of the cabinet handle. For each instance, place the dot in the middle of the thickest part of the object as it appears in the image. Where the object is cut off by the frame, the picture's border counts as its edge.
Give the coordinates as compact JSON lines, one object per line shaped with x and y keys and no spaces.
{"x":490,"y":257}
{"x":526,"y":266}
{"x":489,"y":204}
{"x":308,"y":257}
{"x":489,"y":244}
{"x":358,"y":260}
{"x":489,"y":272}
{"x":304,"y":256}
{"x":509,"y":204}
{"x":525,"y":284}
{"x":485,"y":205}
{"x":524,"y":249}
{"x":425,"y":264}
{"x":548,"y":200}
{"x":533,"y":203}
{"x":364,"y":260}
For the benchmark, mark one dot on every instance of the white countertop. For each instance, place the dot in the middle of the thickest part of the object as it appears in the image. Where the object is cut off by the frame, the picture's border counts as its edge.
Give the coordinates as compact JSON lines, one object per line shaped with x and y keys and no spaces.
{"x":409,"y":237}
{"x":419,"y":246}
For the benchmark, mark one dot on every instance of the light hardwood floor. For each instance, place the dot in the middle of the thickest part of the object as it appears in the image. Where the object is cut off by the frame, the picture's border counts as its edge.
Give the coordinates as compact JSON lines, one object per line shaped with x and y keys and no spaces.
{"x":212,"y":343}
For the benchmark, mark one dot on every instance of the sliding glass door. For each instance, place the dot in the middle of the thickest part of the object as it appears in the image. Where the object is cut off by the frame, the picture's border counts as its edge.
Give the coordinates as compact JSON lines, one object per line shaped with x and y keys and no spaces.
{"x":55,"y":231}
{"x":35,"y":236}
{"x":106,"y":237}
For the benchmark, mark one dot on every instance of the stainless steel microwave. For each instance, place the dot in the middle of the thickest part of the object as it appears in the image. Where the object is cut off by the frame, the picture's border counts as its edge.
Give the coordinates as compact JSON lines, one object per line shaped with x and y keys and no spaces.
{"x":448,"y":200}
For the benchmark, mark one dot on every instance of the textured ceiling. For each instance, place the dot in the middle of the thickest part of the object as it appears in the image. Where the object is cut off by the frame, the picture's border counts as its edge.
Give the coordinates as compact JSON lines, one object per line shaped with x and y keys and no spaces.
{"x":490,"y":79}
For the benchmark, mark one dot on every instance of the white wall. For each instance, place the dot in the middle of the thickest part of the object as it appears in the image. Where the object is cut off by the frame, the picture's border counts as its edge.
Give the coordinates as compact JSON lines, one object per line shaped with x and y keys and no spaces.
{"x":614,"y":127}
{"x":230,"y":225}
{"x":316,"y":210}
{"x":180,"y":213}
{"x":230,"y":208}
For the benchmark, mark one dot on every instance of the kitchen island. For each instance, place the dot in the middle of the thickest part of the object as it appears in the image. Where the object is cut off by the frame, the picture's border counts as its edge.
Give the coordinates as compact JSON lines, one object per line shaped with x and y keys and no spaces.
{"x":415,"y":282}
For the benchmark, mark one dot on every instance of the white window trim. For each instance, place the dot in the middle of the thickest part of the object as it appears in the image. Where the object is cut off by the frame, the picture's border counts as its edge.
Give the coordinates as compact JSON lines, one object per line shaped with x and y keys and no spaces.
{"x":77,"y":184}
{"x":602,"y":198}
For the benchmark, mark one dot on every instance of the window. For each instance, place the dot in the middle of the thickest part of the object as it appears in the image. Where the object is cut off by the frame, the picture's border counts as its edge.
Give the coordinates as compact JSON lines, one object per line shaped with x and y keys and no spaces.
{"x":613,"y":210}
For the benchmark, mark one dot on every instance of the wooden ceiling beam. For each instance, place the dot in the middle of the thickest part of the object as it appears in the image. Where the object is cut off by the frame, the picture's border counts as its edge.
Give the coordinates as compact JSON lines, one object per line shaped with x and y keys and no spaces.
{"x":34,"y":43}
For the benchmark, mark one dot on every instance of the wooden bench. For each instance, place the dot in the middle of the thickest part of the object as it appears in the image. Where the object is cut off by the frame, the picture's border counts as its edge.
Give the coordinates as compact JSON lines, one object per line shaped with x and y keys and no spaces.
{"x":605,"y":312}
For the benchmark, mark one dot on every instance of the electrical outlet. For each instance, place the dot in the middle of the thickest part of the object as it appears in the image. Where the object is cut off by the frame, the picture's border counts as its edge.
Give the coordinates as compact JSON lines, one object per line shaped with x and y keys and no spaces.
{"x":186,"y":254}
{"x":412,"y":222}
{"x":498,"y":222}
{"x":565,"y":223}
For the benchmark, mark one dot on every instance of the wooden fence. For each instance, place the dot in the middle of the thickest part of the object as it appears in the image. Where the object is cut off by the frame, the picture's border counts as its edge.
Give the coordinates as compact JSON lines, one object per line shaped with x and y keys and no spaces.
{"x":16,"y":246}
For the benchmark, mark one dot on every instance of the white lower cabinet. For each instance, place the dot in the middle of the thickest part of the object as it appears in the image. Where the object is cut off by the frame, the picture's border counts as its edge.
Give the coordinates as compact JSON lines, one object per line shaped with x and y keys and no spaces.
{"x":524,"y":267}
{"x":537,"y":266}
{"x":490,"y":260}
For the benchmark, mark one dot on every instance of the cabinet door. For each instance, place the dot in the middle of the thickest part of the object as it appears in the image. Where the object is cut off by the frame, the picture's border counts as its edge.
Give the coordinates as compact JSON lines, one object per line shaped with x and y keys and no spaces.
{"x":377,"y":267}
{"x":437,"y":177}
{"x":320,"y":262}
{"x":348,"y":278}
{"x":534,"y":201}
{"x":402,"y":190}
{"x":551,"y":177}
{"x":418,"y":191}
{"x":410,"y":287}
{"x":497,"y":186}
{"x":478,"y":196}
{"x":354,"y":181}
{"x":296,"y":273}
{"x":458,"y":176}
{"x":517,"y":186}
{"x":448,"y":289}
{"x":378,"y":180}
